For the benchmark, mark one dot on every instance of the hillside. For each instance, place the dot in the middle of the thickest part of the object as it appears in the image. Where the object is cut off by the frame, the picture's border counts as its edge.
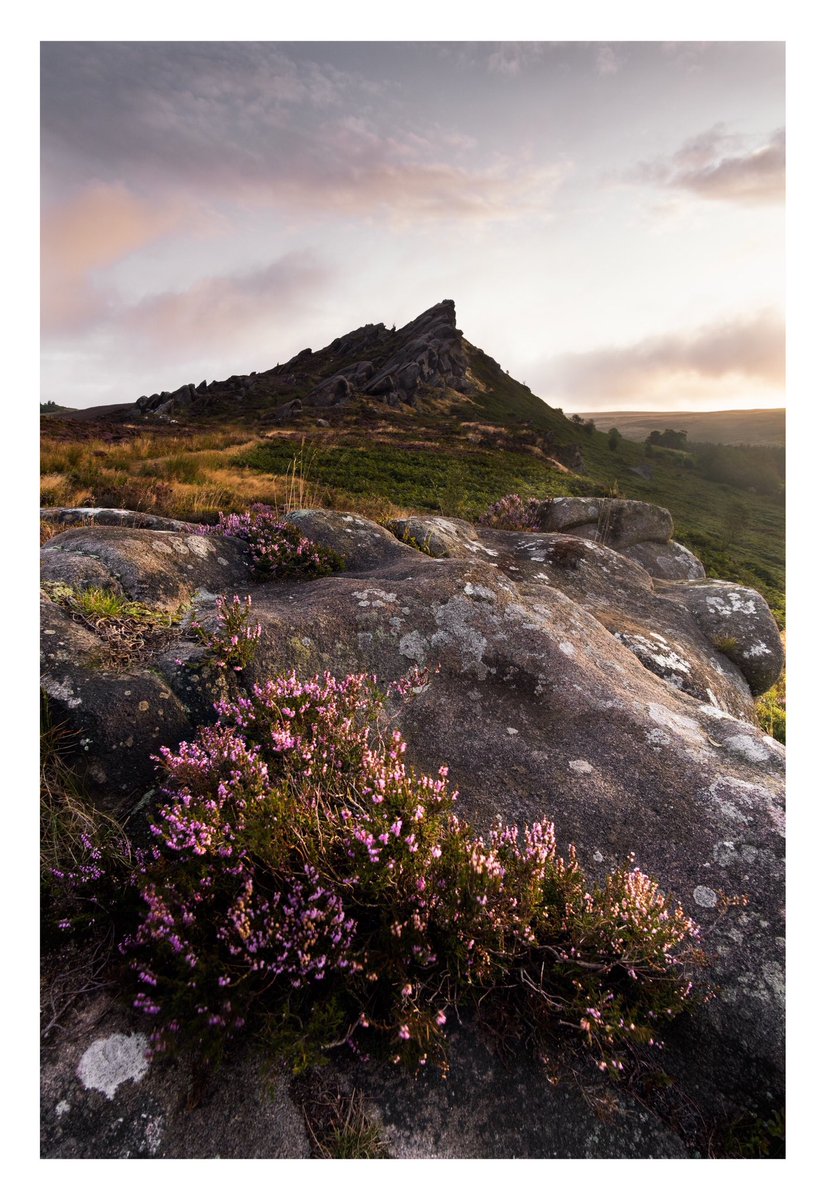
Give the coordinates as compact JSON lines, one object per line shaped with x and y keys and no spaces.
{"x":747,"y":427}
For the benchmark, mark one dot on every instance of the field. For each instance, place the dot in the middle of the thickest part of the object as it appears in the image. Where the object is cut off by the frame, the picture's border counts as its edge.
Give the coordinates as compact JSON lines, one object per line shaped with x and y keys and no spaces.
{"x":751,"y":427}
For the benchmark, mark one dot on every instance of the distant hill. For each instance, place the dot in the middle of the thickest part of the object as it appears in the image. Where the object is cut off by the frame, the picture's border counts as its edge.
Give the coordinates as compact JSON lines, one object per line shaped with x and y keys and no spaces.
{"x":750,"y":427}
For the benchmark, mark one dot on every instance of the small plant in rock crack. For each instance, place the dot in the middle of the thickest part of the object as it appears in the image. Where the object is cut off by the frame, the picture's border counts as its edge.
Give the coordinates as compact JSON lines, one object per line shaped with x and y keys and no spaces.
{"x":127,"y":628}
{"x":232,"y":643}
{"x":277,"y":547}
{"x":512,"y":512}
{"x":299,"y":863}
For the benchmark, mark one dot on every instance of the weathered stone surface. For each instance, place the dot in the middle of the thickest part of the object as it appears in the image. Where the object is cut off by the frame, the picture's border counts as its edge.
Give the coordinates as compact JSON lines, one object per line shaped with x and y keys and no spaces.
{"x":555,"y":690}
{"x":738,"y":622}
{"x":442,"y":537}
{"x":614,"y":589}
{"x":164,"y":569}
{"x":668,"y":560}
{"x":101,"y":1098}
{"x":363,"y":544}
{"x":616,"y":523}
{"x":113,"y":516}
{"x":489,"y":1107}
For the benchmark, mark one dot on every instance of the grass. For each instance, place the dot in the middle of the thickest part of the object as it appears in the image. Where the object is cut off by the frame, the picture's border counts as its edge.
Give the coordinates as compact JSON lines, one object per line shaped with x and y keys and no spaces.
{"x":770,"y":710}
{"x":126,"y":627}
{"x":340,"y":1127}
{"x":69,"y":822}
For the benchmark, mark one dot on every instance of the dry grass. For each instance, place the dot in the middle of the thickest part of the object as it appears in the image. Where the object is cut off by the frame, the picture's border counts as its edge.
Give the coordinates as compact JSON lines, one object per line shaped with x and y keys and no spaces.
{"x":191,"y":477}
{"x":340,"y":1127}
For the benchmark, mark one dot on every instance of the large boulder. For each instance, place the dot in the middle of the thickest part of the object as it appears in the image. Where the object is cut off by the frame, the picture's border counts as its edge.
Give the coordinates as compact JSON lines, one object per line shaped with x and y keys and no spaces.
{"x":159,"y":567}
{"x":616,"y":523}
{"x":557,"y":688}
{"x":113,"y":516}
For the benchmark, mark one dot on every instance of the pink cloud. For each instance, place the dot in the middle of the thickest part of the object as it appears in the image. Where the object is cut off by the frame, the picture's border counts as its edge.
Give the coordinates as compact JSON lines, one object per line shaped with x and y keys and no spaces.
{"x":225,"y":309}
{"x":747,"y":352}
{"x":96,"y":228}
{"x":716,"y":166}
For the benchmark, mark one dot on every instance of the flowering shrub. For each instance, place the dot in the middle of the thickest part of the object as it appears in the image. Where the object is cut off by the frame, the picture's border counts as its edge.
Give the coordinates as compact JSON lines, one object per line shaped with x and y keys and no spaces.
{"x":277,"y":548}
{"x":512,"y":512}
{"x":232,"y":643}
{"x":300,"y":865}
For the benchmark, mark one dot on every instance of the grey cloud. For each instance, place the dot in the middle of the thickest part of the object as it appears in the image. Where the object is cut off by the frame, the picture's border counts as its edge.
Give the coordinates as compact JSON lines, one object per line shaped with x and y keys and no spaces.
{"x":751,"y":349}
{"x":249,"y":124}
{"x":716,"y":166}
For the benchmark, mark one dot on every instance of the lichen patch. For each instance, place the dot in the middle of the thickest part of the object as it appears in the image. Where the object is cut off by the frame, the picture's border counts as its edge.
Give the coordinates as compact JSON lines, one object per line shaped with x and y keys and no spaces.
{"x":112,"y":1061}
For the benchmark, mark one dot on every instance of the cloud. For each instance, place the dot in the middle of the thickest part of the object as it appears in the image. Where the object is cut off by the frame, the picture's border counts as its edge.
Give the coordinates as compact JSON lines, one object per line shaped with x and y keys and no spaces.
{"x":230,"y":310}
{"x":95,"y":228}
{"x":511,"y":58}
{"x":250,"y":125}
{"x":741,"y":354}
{"x":717,"y":166}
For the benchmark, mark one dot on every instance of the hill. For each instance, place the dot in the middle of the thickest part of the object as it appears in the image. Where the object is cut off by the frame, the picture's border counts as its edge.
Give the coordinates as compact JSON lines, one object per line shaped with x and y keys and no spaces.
{"x":747,"y":427}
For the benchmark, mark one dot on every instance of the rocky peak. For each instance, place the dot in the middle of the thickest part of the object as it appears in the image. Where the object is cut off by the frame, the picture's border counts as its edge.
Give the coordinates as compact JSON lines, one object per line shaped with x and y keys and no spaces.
{"x":395,"y":367}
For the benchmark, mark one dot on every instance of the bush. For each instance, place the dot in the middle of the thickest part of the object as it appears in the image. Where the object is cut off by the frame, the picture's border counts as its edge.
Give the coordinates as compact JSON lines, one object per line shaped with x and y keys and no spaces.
{"x":304,"y":878}
{"x":277,"y":547}
{"x":511,"y":512}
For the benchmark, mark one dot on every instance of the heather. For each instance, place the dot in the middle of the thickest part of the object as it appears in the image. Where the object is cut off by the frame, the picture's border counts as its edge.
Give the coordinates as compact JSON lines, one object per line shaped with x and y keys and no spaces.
{"x":277,"y":548}
{"x":512,"y":512}
{"x":307,"y":883}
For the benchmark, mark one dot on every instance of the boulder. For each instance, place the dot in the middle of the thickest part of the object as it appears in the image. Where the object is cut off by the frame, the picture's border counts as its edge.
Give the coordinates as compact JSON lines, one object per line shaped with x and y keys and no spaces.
{"x":442,"y":537}
{"x":160,"y":568}
{"x":113,"y":516}
{"x":738,"y":622}
{"x":616,"y":523}
{"x":612,"y":587}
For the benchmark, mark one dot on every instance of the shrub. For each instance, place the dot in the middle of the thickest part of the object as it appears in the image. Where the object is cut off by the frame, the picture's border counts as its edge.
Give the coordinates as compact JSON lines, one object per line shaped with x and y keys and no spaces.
{"x":231,"y":642}
{"x":277,"y":548}
{"x":301,"y":867}
{"x":511,"y":512}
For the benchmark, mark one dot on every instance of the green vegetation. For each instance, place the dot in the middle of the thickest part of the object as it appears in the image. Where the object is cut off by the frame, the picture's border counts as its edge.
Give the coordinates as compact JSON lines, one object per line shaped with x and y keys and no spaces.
{"x":125,"y":627}
{"x":770,"y":710}
{"x":80,"y":846}
{"x":367,"y":908}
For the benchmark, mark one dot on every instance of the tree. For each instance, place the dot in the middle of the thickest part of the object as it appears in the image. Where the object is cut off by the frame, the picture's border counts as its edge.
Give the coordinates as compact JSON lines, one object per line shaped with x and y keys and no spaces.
{"x":735,"y":520}
{"x":613,"y":438}
{"x":589,"y":428}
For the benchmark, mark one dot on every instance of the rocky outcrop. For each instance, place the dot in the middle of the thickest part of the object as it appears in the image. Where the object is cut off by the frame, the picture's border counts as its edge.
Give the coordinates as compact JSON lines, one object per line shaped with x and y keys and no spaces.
{"x":564,"y":682}
{"x":426,"y":357}
{"x":616,"y":523}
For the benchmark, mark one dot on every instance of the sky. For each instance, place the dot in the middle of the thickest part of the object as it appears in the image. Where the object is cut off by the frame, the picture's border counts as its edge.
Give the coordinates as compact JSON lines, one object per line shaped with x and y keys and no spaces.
{"x":607,"y":216}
